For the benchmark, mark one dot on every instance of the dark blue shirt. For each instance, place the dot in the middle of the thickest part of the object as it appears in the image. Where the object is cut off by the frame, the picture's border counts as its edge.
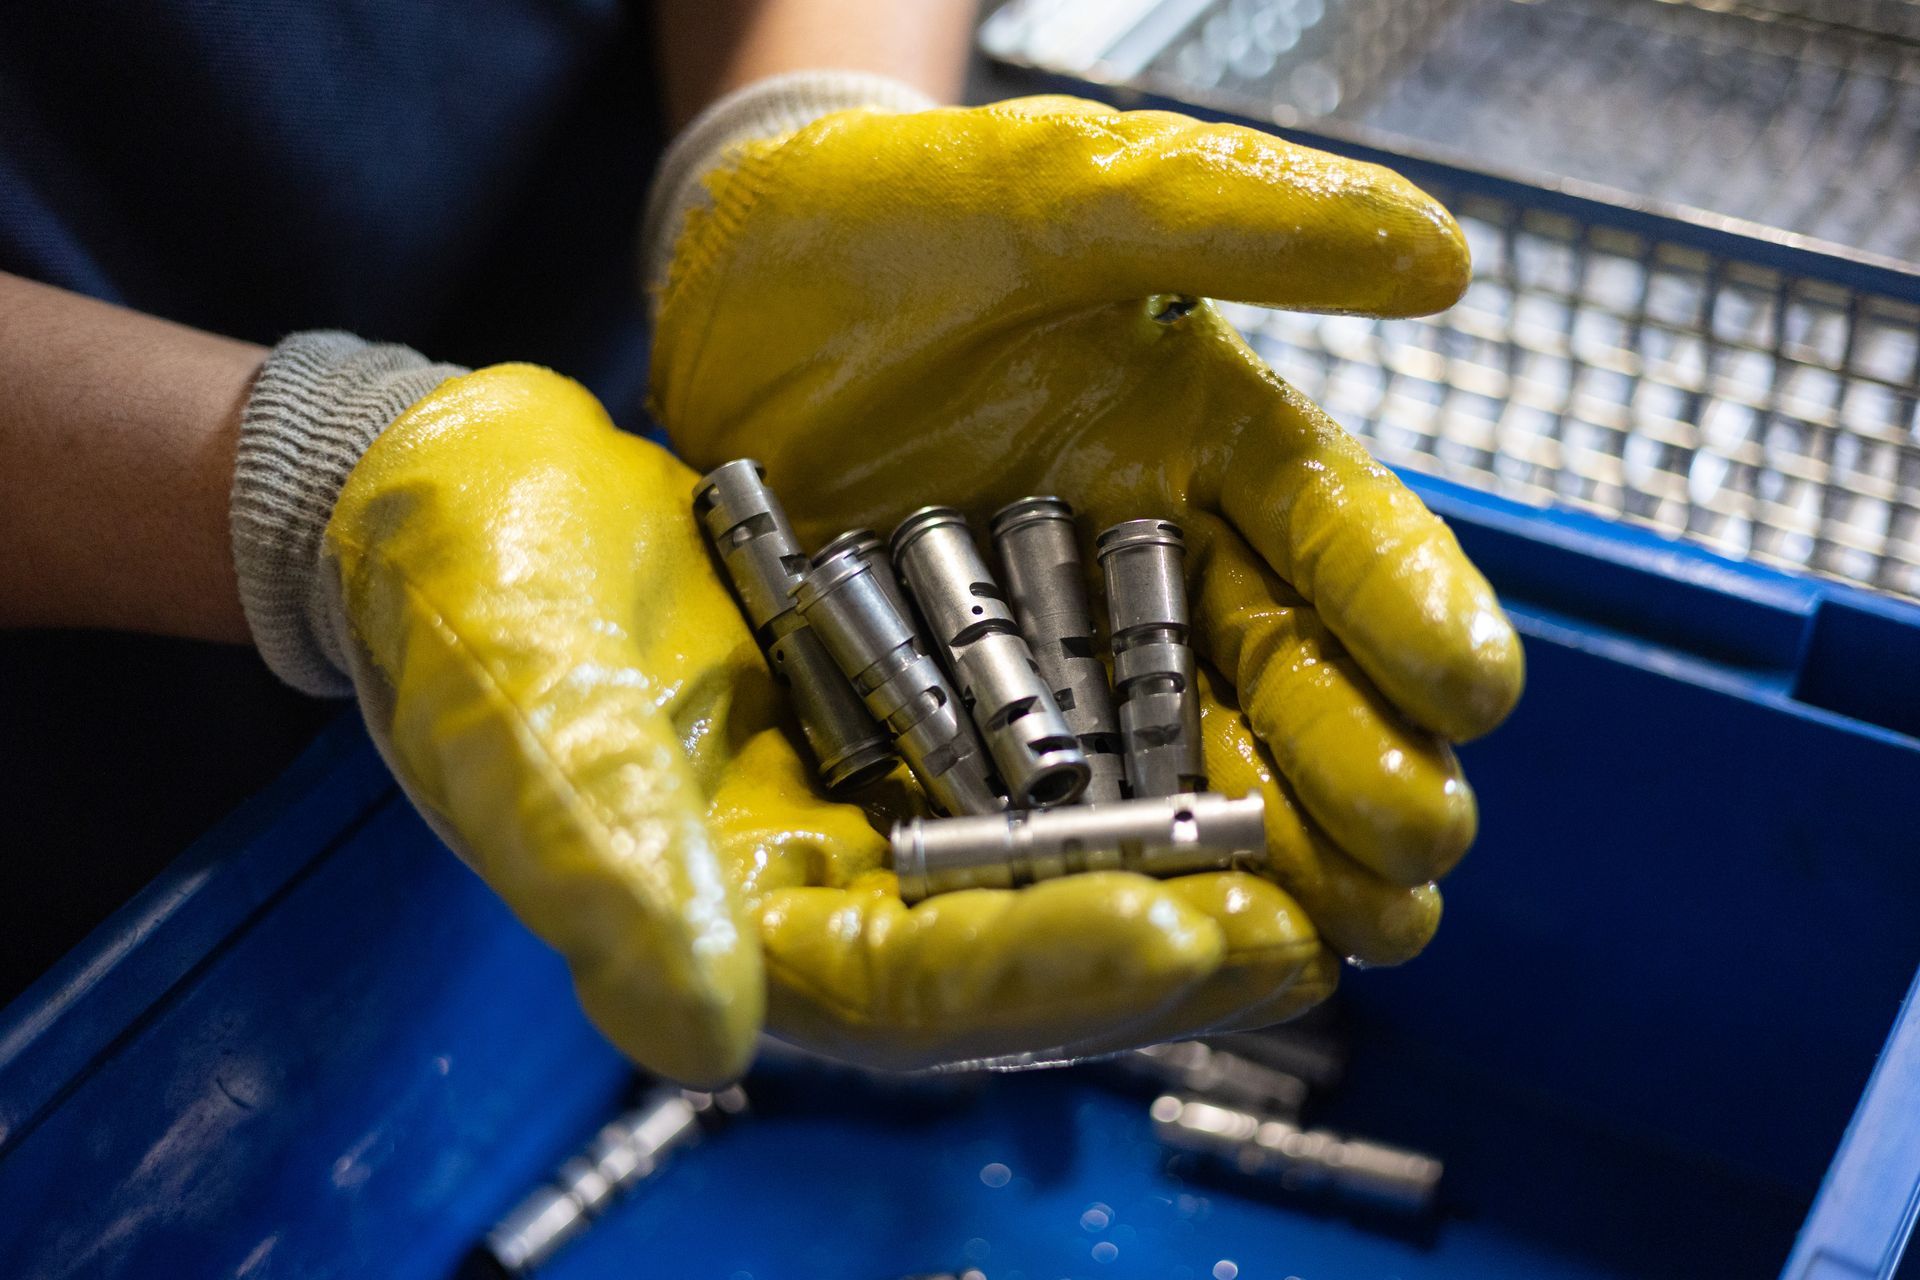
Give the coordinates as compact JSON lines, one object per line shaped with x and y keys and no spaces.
{"x":462,"y":175}
{"x":465,"y":176}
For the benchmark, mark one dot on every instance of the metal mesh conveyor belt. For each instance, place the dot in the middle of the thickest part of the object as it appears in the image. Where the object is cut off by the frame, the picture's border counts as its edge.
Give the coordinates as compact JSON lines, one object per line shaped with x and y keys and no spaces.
{"x":1764,"y":413}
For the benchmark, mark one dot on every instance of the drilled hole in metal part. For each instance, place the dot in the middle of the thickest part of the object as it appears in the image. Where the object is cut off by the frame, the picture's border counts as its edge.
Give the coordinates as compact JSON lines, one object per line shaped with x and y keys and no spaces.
{"x":1052,"y":788}
{"x":977,"y":611}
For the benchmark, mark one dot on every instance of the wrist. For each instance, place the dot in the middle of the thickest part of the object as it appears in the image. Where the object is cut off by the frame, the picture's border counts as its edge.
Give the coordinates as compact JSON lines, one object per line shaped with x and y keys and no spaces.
{"x":319,"y":401}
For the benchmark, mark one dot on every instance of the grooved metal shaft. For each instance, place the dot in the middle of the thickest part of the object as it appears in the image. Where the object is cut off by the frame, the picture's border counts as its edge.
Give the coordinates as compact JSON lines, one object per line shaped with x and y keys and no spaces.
{"x":1312,"y":1161}
{"x":847,"y":604}
{"x":1153,"y":665}
{"x":749,"y":529}
{"x":627,"y":1150}
{"x":1037,"y":755}
{"x":1047,"y":586}
{"x":1191,"y":1067}
{"x":869,"y":546}
{"x":1165,"y":836}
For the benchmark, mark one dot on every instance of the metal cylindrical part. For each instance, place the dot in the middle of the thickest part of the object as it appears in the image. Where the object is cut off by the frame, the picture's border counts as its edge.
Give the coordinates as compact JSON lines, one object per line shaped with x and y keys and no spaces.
{"x":868,"y":545}
{"x":848,"y":607}
{"x":1153,"y":665}
{"x":1211,"y":1072}
{"x":625,"y":1151}
{"x":1038,"y":757}
{"x":1164,"y":836}
{"x":1353,"y":1170}
{"x":748,"y":528}
{"x":1047,"y":585}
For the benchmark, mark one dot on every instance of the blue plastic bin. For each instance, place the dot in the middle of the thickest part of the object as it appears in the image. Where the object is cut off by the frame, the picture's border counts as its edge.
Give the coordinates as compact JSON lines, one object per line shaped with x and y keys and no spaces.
{"x":1671,"y":971}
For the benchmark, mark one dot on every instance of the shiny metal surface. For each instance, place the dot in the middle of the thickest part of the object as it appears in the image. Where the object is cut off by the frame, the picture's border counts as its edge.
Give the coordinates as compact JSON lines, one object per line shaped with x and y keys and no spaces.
{"x":1144,"y":562}
{"x":744,"y":522}
{"x":628,"y":1150}
{"x":846,"y":602}
{"x":1165,"y":836}
{"x":1046,"y":581}
{"x":966,"y":613}
{"x":1301,"y":1048}
{"x":1194,"y":1067}
{"x":1306,"y":1161}
{"x":872,"y":548}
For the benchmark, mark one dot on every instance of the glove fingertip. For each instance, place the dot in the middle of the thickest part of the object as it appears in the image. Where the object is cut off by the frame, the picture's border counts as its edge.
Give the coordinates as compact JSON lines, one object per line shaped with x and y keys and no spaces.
{"x":1316,"y":982}
{"x":1401,"y":930}
{"x":1434,"y":265}
{"x":698,"y":1029}
{"x":1497,"y":678}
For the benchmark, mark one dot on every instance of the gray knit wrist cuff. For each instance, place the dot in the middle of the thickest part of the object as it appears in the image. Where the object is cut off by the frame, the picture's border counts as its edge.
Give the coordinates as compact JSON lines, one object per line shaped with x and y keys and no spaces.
{"x":764,"y":109}
{"x":319,"y":401}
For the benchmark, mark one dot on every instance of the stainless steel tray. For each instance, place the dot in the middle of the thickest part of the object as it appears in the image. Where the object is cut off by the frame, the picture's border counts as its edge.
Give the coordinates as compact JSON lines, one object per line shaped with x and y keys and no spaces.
{"x":1636,"y":341}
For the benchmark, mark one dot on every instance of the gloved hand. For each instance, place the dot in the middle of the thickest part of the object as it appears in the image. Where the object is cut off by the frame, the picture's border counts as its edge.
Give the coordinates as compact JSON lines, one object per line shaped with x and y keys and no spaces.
{"x":517,"y":594}
{"x":967,"y":306}
{"x":539,"y":640}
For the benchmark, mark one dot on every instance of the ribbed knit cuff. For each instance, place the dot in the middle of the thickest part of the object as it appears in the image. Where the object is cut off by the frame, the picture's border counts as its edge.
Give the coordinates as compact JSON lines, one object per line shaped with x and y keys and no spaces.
{"x":764,"y":109}
{"x":320,"y":400}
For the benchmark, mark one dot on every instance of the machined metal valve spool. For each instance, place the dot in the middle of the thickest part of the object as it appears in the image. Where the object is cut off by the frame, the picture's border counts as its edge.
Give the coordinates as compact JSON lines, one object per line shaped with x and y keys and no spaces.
{"x":749,"y":529}
{"x":1047,"y":586}
{"x":1164,"y":836}
{"x":848,"y":605}
{"x":869,"y":546}
{"x":1193,"y":1068}
{"x":1153,"y":665}
{"x":626,"y":1151}
{"x":1358,"y":1172}
{"x":1037,"y":755}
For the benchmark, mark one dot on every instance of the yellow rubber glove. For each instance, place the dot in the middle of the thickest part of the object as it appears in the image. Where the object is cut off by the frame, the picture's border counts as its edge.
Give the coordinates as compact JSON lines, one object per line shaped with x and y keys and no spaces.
{"x":966,"y":306}
{"x":542,"y":647}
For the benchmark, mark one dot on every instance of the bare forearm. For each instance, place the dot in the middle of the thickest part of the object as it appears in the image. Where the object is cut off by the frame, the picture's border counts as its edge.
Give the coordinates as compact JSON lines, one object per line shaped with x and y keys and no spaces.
{"x":117,"y":436}
{"x":711,"y":47}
